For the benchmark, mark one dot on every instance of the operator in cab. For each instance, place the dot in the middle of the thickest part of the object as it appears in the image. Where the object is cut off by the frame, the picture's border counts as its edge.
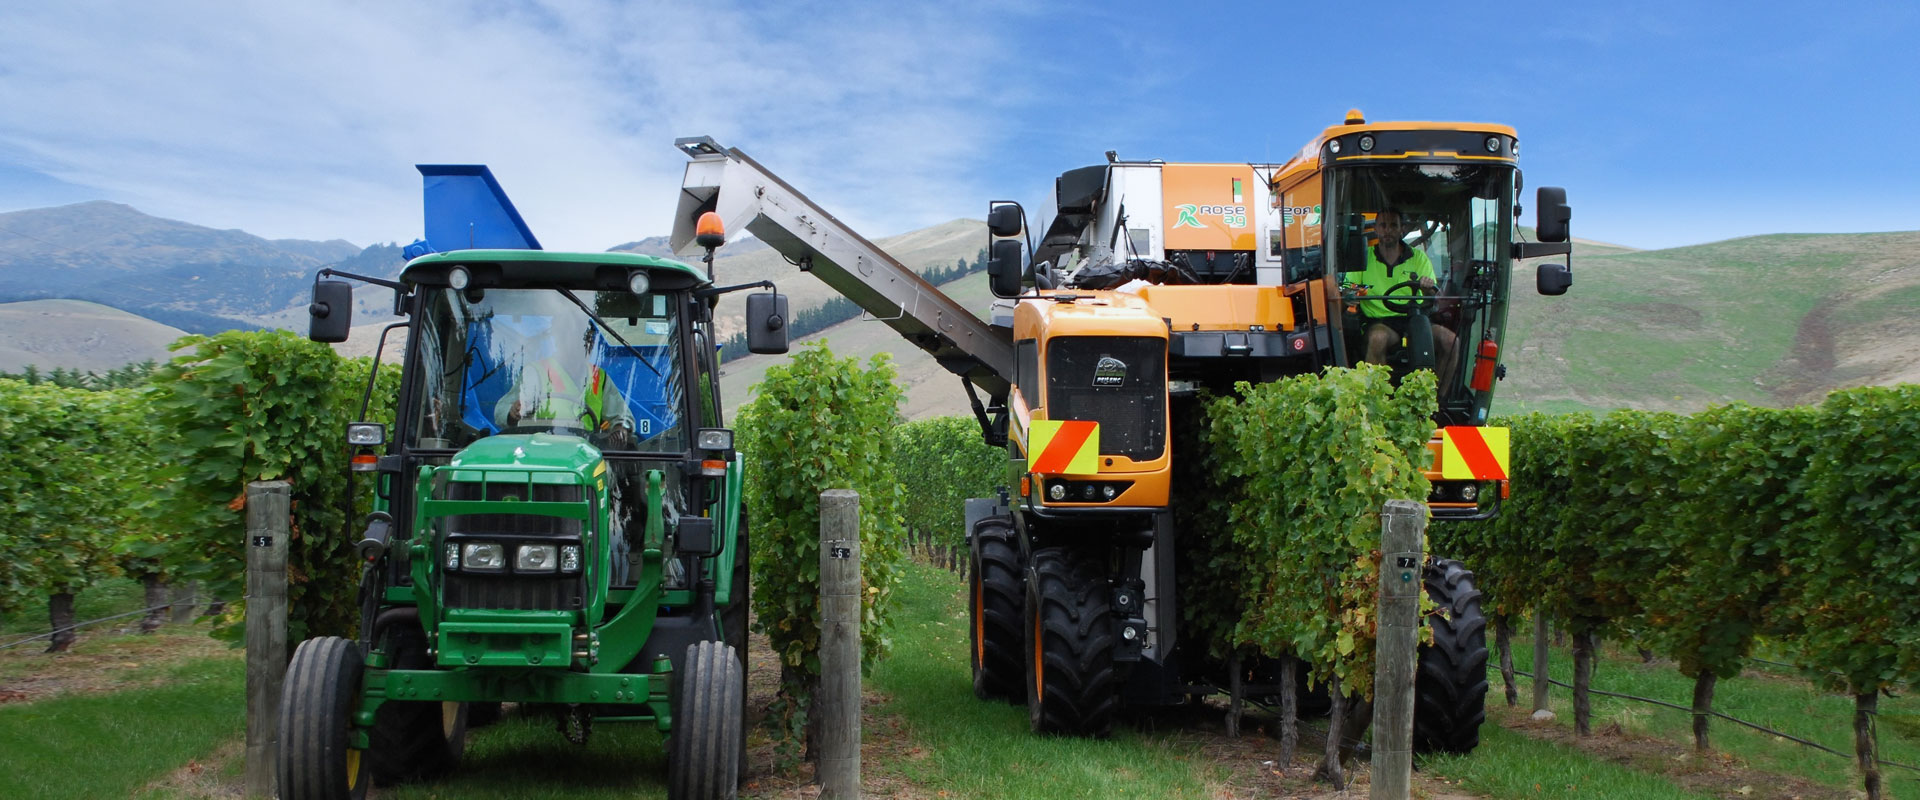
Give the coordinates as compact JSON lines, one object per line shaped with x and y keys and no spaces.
{"x":1389,"y":263}
{"x":561,"y":388}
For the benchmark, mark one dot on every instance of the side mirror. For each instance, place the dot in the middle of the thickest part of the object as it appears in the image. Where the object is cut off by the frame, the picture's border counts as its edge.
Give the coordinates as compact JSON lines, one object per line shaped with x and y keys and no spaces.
{"x":1553,"y":279}
{"x":1552,"y":214}
{"x":1006,"y":219}
{"x":1003,"y":267}
{"x":766,"y":323}
{"x":330,"y":315}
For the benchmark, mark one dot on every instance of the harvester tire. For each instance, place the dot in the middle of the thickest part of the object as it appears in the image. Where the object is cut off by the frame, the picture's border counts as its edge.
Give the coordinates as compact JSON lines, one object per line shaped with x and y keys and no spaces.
{"x":317,"y":702}
{"x":703,"y":751}
{"x":1073,"y":684}
{"x":995,"y":602}
{"x":413,"y":740}
{"x":1450,"y":687}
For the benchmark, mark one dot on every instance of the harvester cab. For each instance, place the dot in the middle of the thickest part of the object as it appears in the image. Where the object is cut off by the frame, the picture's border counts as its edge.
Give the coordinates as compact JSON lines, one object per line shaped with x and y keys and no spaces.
{"x":560,"y":520}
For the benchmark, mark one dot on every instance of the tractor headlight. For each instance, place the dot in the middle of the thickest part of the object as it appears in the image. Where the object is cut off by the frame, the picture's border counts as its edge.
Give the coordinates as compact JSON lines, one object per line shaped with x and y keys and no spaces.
{"x":570,"y":558}
{"x":453,"y":556}
{"x":366,"y":434}
{"x":535,"y":558}
{"x":484,"y":557}
{"x":1470,"y":492}
{"x":1057,"y":491}
{"x":714,"y":439}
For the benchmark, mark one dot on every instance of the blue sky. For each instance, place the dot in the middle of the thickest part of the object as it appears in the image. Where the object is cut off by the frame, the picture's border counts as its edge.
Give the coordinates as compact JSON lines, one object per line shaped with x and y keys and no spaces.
{"x":1669,"y":123}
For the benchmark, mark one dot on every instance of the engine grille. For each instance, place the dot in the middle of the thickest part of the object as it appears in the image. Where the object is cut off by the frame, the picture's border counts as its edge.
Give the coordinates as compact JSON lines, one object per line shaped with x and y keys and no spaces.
{"x":513,"y":592}
{"x":1117,"y":381}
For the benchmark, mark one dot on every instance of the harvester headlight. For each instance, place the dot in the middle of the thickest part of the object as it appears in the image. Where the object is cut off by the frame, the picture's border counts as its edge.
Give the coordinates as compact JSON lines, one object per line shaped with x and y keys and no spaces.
{"x":1109,"y":491}
{"x":458,"y":278}
{"x":1057,"y":490}
{"x":1470,"y":492}
{"x":536,"y":558}
{"x":1333,"y":146}
{"x":453,"y":556}
{"x":1493,"y":144}
{"x":1366,"y":144}
{"x":570,"y":558}
{"x":484,"y":557}
{"x":638,"y":283}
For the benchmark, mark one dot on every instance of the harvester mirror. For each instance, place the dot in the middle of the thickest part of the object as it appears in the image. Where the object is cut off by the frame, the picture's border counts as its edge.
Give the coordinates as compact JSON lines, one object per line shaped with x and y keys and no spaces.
{"x":1553,"y":279}
{"x":330,"y":315}
{"x":694,"y":537}
{"x":767,"y":323}
{"x":1003,"y":267}
{"x":1550,"y":204}
{"x":1006,"y":219}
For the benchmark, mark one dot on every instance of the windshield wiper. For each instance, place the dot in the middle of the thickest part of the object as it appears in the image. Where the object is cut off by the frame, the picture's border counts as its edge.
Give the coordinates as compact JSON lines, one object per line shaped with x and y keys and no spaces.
{"x":568,"y":293}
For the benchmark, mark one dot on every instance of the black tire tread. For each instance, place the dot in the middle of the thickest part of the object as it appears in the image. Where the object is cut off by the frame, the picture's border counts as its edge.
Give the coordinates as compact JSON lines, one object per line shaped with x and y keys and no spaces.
{"x":703,"y":756}
{"x":316,"y":709}
{"x":1069,"y":592}
{"x":1450,"y":684}
{"x":408,"y":741}
{"x":998,"y":642}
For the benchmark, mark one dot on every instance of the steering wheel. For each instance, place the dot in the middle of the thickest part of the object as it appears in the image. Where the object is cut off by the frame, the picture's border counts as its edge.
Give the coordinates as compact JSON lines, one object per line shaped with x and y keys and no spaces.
{"x":1403,"y":305}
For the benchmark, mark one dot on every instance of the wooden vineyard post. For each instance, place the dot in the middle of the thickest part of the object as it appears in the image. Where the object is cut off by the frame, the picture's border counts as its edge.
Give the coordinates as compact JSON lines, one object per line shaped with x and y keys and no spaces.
{"x":1402,"y":559}
{"x":268,"y":525}
{"x":838,"y":705}
{"x":1540,"y":685}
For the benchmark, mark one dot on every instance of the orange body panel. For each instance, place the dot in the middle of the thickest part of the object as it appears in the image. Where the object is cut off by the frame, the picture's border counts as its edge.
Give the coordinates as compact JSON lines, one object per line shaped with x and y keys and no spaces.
{"x":1233,"y":307}
{"x":1208,"y":206}
{"x":1098,"y":313}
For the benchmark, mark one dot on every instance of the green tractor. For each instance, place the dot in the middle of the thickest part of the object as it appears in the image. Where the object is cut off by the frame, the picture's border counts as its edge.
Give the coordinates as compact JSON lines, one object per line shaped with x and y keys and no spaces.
{"x":559,"y":517}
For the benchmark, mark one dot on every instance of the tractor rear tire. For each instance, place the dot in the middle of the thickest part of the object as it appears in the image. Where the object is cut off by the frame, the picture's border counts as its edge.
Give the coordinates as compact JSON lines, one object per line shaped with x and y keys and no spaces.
{"x":317,"y":702}
{"x":734,"y":619}
{"x":1073,"y":684}
{"x":703,"y":752}
{"x":1450,"y":687}
{"x":413,"y":740}
{"x":996,"y":597}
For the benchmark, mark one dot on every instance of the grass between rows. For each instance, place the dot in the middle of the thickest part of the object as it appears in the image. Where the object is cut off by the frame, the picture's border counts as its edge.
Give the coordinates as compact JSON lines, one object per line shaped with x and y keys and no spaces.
{"x":1772,"y":698}
{"x":971,"y":748}
{"x":116,"y":744}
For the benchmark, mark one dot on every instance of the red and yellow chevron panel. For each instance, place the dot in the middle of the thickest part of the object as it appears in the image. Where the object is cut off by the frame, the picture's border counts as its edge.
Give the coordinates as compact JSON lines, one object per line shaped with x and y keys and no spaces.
{"x":1470,"y":453}
{"x":1063,"y":447}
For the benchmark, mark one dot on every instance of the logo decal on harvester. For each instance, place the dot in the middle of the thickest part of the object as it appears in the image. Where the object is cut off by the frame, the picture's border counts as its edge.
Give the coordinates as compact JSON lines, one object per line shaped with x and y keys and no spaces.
{"x":1110,"y":372}
{"x":1231,"y":216}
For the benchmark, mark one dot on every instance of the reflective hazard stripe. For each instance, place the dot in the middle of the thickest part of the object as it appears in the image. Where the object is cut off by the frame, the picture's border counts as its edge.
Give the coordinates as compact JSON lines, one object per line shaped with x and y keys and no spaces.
{"x":1470,"y":453}
{"x":1063,"y":447}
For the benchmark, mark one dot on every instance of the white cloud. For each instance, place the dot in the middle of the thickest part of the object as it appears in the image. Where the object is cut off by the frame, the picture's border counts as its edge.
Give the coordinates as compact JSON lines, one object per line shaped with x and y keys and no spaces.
{"x":303,"y":120}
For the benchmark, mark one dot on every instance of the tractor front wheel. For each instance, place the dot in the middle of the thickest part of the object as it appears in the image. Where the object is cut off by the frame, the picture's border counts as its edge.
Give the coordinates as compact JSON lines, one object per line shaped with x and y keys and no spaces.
{"x":995,"y":599}
{"x":703,"y":755}
{"x":414,"y":740}
{"x":1073,"y":684}
{"x":317,"y":702}
{"x":1450,"y":687}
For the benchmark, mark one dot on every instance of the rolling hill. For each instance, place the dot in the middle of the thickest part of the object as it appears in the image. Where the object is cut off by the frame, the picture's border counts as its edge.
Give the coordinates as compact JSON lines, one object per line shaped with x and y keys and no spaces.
{"x":78,"y":335}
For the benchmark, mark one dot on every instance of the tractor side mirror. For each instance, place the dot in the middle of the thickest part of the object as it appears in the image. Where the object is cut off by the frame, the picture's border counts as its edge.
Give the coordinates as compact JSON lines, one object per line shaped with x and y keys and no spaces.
{"x":330,"y":315}
{"x":767,"y":323}
{"x":1005,"y":220}
{"x":1550,"y":208}
{"x":1003,"y":267}
{"x":1553,"y":279}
